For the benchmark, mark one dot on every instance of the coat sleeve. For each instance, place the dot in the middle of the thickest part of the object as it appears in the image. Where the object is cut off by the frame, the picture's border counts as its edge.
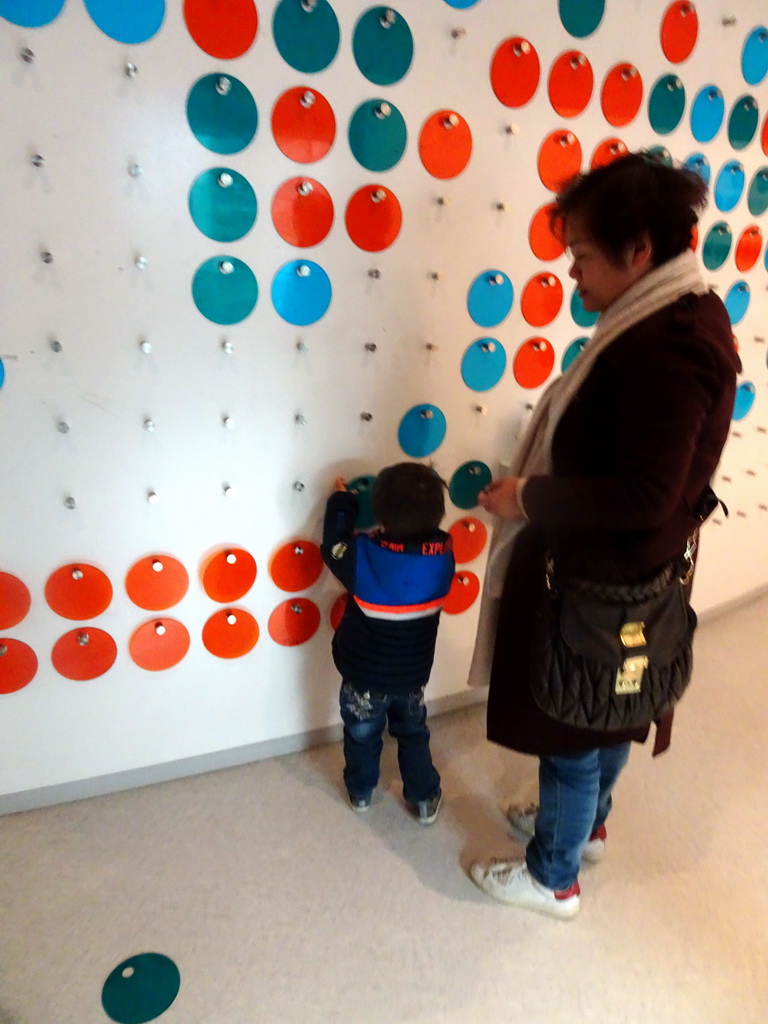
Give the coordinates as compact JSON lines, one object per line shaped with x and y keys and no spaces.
{"x":338,"y":546}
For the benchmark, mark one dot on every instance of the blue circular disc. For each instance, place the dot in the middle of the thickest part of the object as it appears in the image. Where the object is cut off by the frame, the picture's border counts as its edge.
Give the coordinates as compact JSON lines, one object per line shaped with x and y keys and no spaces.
{"x":662,"y":154}
{"x":581,"y":17}
{"x":222,"y":113}
{"x":301,"y":292}
{"x":140,"y":988}
{"x":382,"y":45}
{"x":737,"y":301}
{"x":421,"y":430}
{"x":222,"y":204}
{"x":666,"y":104}
{"x":580,"y":315}
{"x":707,"y":113}
{"x":225,"y":290}
{"x":483,"y":364}
{"x":306,"y":35}
{"x":754,"y":56}
{"x":467,"y":482}
{"x":2,"y":373}
{"x":490,"y":298}
{"x":699,"y":164}
{"x":745,"y":397}
{"x":757,"y":199}
{"x":717,"y":245}
{"x":30,"y":13}
{"x":573,"y":350}
{"x":362,"y":486}
{"x":729,"y":185}
{"x":461,"y":4}
{"x":377,"y":135}
{"x":742,"y":124}
{"x":133,"y":22}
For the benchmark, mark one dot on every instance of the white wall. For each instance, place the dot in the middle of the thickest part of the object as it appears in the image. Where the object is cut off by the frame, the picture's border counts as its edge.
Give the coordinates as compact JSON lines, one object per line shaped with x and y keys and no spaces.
{"x":75,"y":106}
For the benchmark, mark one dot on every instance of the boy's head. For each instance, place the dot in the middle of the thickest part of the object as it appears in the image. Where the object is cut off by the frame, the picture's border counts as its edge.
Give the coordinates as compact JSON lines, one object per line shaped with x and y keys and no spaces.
{"x":408,"y":500}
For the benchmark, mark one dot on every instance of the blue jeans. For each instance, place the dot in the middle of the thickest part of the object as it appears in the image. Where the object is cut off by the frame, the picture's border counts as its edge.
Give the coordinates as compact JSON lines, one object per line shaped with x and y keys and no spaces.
{"x":365,"y":713}
{"x":574,"y":800}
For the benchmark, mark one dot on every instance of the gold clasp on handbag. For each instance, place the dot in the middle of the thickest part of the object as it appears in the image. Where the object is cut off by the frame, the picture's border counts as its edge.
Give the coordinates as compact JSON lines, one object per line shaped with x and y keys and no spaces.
{"x":632,"y":634}
{"x":629,"y":678}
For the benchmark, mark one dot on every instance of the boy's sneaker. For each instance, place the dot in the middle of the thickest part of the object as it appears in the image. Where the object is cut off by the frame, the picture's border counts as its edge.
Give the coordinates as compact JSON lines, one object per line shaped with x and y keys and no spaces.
{"x":510,"y":882}
{"x":359,"y":804}
{"x":523,"y":820}
{"x":425,"y":811}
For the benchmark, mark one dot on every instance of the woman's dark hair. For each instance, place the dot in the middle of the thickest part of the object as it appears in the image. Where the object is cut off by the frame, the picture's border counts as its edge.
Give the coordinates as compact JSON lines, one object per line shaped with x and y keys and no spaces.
{"x":408,"y":500}
{"x":631,"y":195}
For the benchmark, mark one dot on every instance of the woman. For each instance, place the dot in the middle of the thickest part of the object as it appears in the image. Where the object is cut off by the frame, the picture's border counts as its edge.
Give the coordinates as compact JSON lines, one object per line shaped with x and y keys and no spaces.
{"x":609,"y":479}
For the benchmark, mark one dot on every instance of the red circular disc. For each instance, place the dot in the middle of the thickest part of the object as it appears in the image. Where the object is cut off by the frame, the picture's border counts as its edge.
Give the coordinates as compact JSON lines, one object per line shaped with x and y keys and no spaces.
{"x":230,"y":633}
{"x":302,"y":211}
{"x":156,"y":582}
{"x":541,"y":300}
{"x":469,"y":537}
{"x":373,"y":218}
{"x":224,"y":30}
{"x":294,"y":622}
{"x":338,"y":608}
{"x":229,"y":574}
{"x":764,"y":136}
{"x":559,"y":159}
{"x":296,"y":565}
{"x":679,"y":31}
{"x":84,"y":653}
{"x":748,"y":247}
{"x":608,"y":151}
{"x":303,"y":124}
{"x":464,"y":590}
{"x":542,"y":238}
{"x":515,"y":72}
{"x":159,"y":644}
{"x":622,"y":94}
{"x":695,"y":237}
{"x":78,"y":591}
{"x":445,"y":144}
{"x":15,"y":600}
{"x":570,"y":83}
{"x":533,"y":362}
{"x":18,"y":665}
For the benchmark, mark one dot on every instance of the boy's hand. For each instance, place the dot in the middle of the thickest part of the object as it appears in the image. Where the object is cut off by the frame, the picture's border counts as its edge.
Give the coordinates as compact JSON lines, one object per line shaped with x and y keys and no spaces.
{"x":339,"y":484}
{"x":500,"y":498}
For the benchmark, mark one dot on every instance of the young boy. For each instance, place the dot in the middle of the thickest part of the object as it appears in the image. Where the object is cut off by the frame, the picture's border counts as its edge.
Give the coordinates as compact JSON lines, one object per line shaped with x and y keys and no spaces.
{"x":398,"y":577}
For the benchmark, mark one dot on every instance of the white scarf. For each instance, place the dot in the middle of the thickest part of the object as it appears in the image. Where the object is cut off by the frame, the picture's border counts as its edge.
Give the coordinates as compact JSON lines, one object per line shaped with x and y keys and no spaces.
{"x":658,"y":288}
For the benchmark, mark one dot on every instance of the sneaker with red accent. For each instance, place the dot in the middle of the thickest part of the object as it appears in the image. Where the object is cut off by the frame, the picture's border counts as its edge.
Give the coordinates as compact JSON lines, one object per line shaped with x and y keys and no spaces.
{"x":510,"y":882}
{"x":523,"y":820}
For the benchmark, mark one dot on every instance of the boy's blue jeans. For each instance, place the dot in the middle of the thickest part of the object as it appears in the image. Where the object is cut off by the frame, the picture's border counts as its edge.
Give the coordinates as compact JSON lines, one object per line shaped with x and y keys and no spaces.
{"x":365,"y":713}
{"x":574,"y":800}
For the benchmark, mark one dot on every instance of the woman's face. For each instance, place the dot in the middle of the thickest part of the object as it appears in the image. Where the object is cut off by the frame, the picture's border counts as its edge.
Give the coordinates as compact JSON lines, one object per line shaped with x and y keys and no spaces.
{"x":599,"y":279}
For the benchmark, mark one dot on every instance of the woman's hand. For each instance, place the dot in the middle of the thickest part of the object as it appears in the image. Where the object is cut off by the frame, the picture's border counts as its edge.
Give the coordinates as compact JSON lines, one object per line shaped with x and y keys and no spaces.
{"x":500,"y":498}
{"x":339,"y":484}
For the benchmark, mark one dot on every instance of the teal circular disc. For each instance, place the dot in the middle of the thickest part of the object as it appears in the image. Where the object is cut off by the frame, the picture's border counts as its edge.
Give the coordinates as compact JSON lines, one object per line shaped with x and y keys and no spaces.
{"x":666,"y":104}
{"x":222,"y":204}
{"x":382,"y":45}
{"x":483,"y":364}
{"x":699,"y":164}
{"x":742,"y":124}
{"x":490,"y":298}
{"x":574,"y":349}
{"x":662,"y":154}
{"x":140,"y":988}
{"x":707,"y":113}
{"x":222,"y":113}
{"x":2,"y":373}
{"x":224,"y":295}
{"x":581,"y":17}
{"x":377,"y":135}
{"x":717,"y":245}
{"x":745,"y":397}
{"x":580,"y":316}
{"x":467,"y":482}
{"x":306,"y":34}
{"x":362,"y":486}
{"x":421,"y":430}
{"x":729,"y":185}
{"x":461,"y":4}
{"x":30,"y":13}
{"x":133,"y":22}
{"x":737,"y":301}
{"x":754,"y":56}
{"x":301,"y":292}
{"x":757,"y":199}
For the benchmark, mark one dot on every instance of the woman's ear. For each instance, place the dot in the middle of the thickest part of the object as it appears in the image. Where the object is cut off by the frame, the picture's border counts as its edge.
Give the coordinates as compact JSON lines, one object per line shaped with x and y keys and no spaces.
{"x":642,"y":251}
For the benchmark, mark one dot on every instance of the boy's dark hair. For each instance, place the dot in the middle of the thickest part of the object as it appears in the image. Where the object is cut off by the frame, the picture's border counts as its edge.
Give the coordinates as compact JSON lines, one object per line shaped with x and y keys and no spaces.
{"x":636,"y":193}
{"x":408,"y":500}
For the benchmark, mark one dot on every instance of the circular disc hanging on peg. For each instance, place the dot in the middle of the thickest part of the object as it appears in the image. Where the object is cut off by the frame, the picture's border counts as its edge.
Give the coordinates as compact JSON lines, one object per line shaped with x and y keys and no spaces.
{"x":515,"y":72}
{"x":228,"y":574}
{"x":78,"y":591}
{"x":296,"y":565}
{"x":18,"y":665}
{"x":679,"y":31}
{"x":84,"y":653}
{"x":159,"y":644}
{"x":303,"y":124}
{"x":15,"y":600}
{"x":156,"y":582}
{"x":226,"y":30}
{"x":463,"y":593}
{"x":294,"y":622}
{"x":230,"y":633}
{"x":445,"y":144}
{"x":469,"y":536}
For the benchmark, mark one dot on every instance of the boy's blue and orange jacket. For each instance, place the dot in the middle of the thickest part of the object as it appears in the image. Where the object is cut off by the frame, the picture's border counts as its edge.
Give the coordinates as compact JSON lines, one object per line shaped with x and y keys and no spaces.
{"x":386,"y":638}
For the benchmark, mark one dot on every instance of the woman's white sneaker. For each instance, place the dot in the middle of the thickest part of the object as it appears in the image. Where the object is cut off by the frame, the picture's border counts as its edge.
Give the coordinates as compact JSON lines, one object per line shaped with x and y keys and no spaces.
{"x":523,"y":820}
{"x":510,"y":882}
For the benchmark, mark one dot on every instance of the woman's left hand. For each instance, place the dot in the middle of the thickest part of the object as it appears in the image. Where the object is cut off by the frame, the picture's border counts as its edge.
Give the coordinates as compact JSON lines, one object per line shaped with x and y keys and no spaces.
{"x":500,"y":498}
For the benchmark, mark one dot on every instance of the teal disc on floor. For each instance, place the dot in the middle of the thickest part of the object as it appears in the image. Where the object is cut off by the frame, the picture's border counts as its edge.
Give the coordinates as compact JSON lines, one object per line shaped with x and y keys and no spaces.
{"x":222,"y":113}
{"x":757,"y":200}
{"x":483,"y":364}
{"x":421,"y":430}
{"x":699,"y":164}
{"x":729,"y":185}
{"x":140,"y":988}
{"x":363,"y":488}
{"x":707,"y":113}
{"x":662,"y":154}
{"x":754,"y":56}
{"x":306,"y":33}
{"x":737,"y":301}
{"x":30,"y":13}
{"x":745,"y":397}
{"x":573,"y":350}
{"x":133,"y":22}
{"x":382,"y":45}
{"x":580,"y":316}
{"x":742,"y":124}
{"x":377,"y":135}
{"x":301,"y":292}
{"x":222,"y":204}
{"x":467,"y":482}
{"x":225,"y":290}
{"x":581,"y":17}
{"x":666,"y":104}
{"x":717,"y":245}
{"x":490,"y":298}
